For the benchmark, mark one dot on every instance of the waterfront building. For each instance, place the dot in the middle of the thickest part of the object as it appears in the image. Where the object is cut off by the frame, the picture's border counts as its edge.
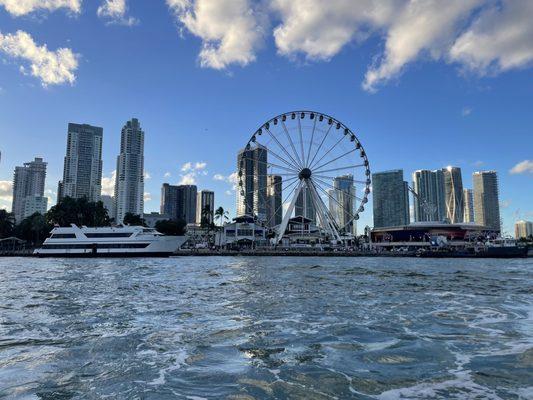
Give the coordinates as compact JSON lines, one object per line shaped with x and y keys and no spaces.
{"x":468,"y":197}
{"x":82,"y":169}
{"x":28,"y":189}
{"x":305,"y":205}
{"x":453,"y":190}
{"x":390,"y":199}
{"x":274,"y":200}
{"x":242,"y":233}
{"x":179,"y":202}
{"x":429,"y":203}
{"x":523,"y":229}
{"x":109,"y":204}
{"x":486,"y":199}
{"x":252,"y":170}
{"x":129,"y":184}
{"x":205,"y":201}
{"x":344,"y":195}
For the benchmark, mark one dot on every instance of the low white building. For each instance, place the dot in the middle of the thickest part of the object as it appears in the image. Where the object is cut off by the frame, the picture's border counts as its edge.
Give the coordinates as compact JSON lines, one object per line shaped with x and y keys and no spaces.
{"x":242,"y":232}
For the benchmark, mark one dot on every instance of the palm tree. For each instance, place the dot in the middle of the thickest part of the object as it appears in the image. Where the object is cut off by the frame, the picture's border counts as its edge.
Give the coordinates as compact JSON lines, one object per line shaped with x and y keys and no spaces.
{"x":221,"y":215}
{"x":6,"y":224}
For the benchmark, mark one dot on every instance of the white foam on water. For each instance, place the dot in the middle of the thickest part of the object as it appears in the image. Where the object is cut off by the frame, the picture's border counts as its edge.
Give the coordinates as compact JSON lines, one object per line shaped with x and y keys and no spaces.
{"x":380,"y":345}
{"x":180,"y":358}
{"x":524,"y":393}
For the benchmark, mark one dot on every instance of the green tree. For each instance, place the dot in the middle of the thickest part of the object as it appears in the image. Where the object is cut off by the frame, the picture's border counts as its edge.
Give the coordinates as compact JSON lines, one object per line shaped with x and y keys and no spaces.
{"x":6,"y":224}
{"x":221,"y":215}
{"x":133,"y":219}
{"x":171,"y":227}
{"x":78,"y":211}
{"x":33,"y":229}
{"x":206,"y":217}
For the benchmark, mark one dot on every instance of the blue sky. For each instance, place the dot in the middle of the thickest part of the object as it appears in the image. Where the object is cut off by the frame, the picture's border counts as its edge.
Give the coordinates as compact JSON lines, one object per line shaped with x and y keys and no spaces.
{"x":201,"y":77}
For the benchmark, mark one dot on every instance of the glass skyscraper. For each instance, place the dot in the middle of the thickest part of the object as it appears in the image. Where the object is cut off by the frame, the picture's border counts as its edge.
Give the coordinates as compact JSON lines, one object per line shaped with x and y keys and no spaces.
{"x":430,"y":202}
{"x":486,"y":199}
{"x":390,"y":199}
{"x":453,"y":189}
{"x":252,"y":195}
{"x":28,"y":189}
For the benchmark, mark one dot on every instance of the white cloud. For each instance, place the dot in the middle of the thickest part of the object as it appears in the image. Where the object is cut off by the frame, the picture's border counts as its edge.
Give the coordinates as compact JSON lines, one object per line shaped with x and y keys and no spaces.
{"x":147,"y":196}
{"x":6,"y":191}
{"x":115,"y":11}
{"x":18,"y":8}
{"x":108,"y":184}
{"x":501,"y":38}
{"x":190,"y":166}
{"x":167,"y":174}
{"x":420,"y":26}
{"x":230,"y":29}
{"x":147,"y":175}
{"x":505,"y":203}
{"x":219,"y":177}
{"x":523,"y":167}
{"x":319,"y":31}
{"x":51,"y":67}
{"x":466,"y":111}
{"x":188,"y":179}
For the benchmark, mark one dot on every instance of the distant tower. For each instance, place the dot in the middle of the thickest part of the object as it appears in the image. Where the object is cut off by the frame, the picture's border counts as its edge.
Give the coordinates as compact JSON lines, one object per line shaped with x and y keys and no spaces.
{"x":251,"y":197}
{"x":345,"y":195}
{"x":129,"y":184}
{"x":486,"y":199}
{"x":274,"y":200}
{"x":430,"y":202}
{"x":82,"y":171}
{"x":205,"y":199}
{"x":391,"y":199}
{"x":305,"y":205}
{"x":187,"y":198}
{"x":169,"y":201}
{"x":453,"y":189}
{"x":468,"y":197}
{"x":28,"y":189}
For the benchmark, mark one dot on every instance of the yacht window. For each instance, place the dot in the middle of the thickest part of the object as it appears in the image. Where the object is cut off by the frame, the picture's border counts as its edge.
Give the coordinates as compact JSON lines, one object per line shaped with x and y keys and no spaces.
{"x":63,"y":236}
{"x":109,"y":235}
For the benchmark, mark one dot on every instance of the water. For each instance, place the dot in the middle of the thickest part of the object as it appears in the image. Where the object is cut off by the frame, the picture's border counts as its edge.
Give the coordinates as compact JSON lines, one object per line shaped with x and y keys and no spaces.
{"x":254,"y":328}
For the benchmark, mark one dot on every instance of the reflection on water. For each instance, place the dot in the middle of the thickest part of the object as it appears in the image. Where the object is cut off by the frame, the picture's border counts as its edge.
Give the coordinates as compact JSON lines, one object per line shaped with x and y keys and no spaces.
{"x":253,"y":328}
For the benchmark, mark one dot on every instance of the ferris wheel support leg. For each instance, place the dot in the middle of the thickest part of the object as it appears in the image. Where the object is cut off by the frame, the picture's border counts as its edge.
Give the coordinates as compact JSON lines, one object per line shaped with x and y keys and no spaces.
{"x":287,"y":216}
{"x":330,"y":225}
{"x":321,"y":215}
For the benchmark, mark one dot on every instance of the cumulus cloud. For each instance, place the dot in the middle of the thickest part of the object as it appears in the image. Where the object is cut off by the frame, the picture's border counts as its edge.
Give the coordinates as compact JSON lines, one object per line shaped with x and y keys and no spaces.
{"x":190,"y":166}
{"x":6,"y":191}
{"x":147,"y":175}
{"x":51,"y":67}
{"x":147,"y":196}
{"x":108,"y":184}
{"x":523,"y":167}
{"x":167,"y":174}
{"x":188,"y":179}
{"x":230,"y":29}
{"x":191,"y":170}
{"x":18,"y":8}
{"x":501,"y":38}
{"x":420,"y":26}
{"x":115,"y":12}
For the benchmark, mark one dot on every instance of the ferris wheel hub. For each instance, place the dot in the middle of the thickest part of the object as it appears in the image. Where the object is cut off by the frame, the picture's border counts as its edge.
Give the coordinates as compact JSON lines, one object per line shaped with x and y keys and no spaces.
{"x":305,"y":173}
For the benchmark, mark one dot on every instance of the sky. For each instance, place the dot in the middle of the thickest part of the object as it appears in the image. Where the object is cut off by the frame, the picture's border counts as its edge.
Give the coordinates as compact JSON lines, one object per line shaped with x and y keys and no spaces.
{"x":422,"y":85}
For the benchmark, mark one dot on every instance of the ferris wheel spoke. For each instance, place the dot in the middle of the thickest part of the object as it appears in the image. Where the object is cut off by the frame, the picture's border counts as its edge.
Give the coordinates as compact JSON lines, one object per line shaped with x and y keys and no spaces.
{"x":340,"y":178}
{"x":321,"y":143}
{"x":341,"y":168}
{"x":301,"y":140}
{"x":283,"y":202}
{"x":330,"y":219}
{"x":336,"y":158}
{"x":334,"y":199}
{"x":270,"y":164}
{"x":267,"y":186}
{"x":287,"y":133}
{"x":297,"y":164}
{"x":289,"y":164}
{"x":333,"y":187}
{"x":311,"y":143}
{"x":327,"y":152}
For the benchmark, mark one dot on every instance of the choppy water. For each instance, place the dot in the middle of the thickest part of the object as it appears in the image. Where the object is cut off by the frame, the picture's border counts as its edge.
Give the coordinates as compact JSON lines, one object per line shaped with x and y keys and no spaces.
{"x":253,"y":328}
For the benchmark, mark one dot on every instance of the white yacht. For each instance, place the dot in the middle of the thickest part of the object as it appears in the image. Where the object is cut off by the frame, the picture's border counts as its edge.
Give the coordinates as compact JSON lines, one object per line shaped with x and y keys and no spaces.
{"x":123,"y":241}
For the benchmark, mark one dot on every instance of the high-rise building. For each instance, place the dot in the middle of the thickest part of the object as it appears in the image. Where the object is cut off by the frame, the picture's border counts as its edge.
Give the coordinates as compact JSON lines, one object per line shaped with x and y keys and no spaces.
{"x":179,"y":202}
{"x":486,"y":199}
{"x":523,"y":229}
{"x":129,"y":184}
{"x":390,"y":199}
{"x":305,"y":205}
{"x":28,"y":189}
{"x":429,"y":203}
{"x":109,"y":204}
{"x":274,"y":200}
{"x":82,"y":170}
{"x":468,"y":196}
{"x":252,"y":170}
{"x":205,"y":200}
{"x":343,"y":205}
{"x":453,"y":190}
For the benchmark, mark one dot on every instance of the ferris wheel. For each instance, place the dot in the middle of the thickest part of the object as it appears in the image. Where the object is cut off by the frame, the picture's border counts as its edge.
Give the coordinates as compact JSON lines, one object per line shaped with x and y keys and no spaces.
{"x":307,"y":165}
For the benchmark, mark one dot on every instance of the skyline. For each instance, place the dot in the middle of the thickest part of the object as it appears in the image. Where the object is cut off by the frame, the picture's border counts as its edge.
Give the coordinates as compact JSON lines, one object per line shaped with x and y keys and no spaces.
{"x":196,"y":118}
